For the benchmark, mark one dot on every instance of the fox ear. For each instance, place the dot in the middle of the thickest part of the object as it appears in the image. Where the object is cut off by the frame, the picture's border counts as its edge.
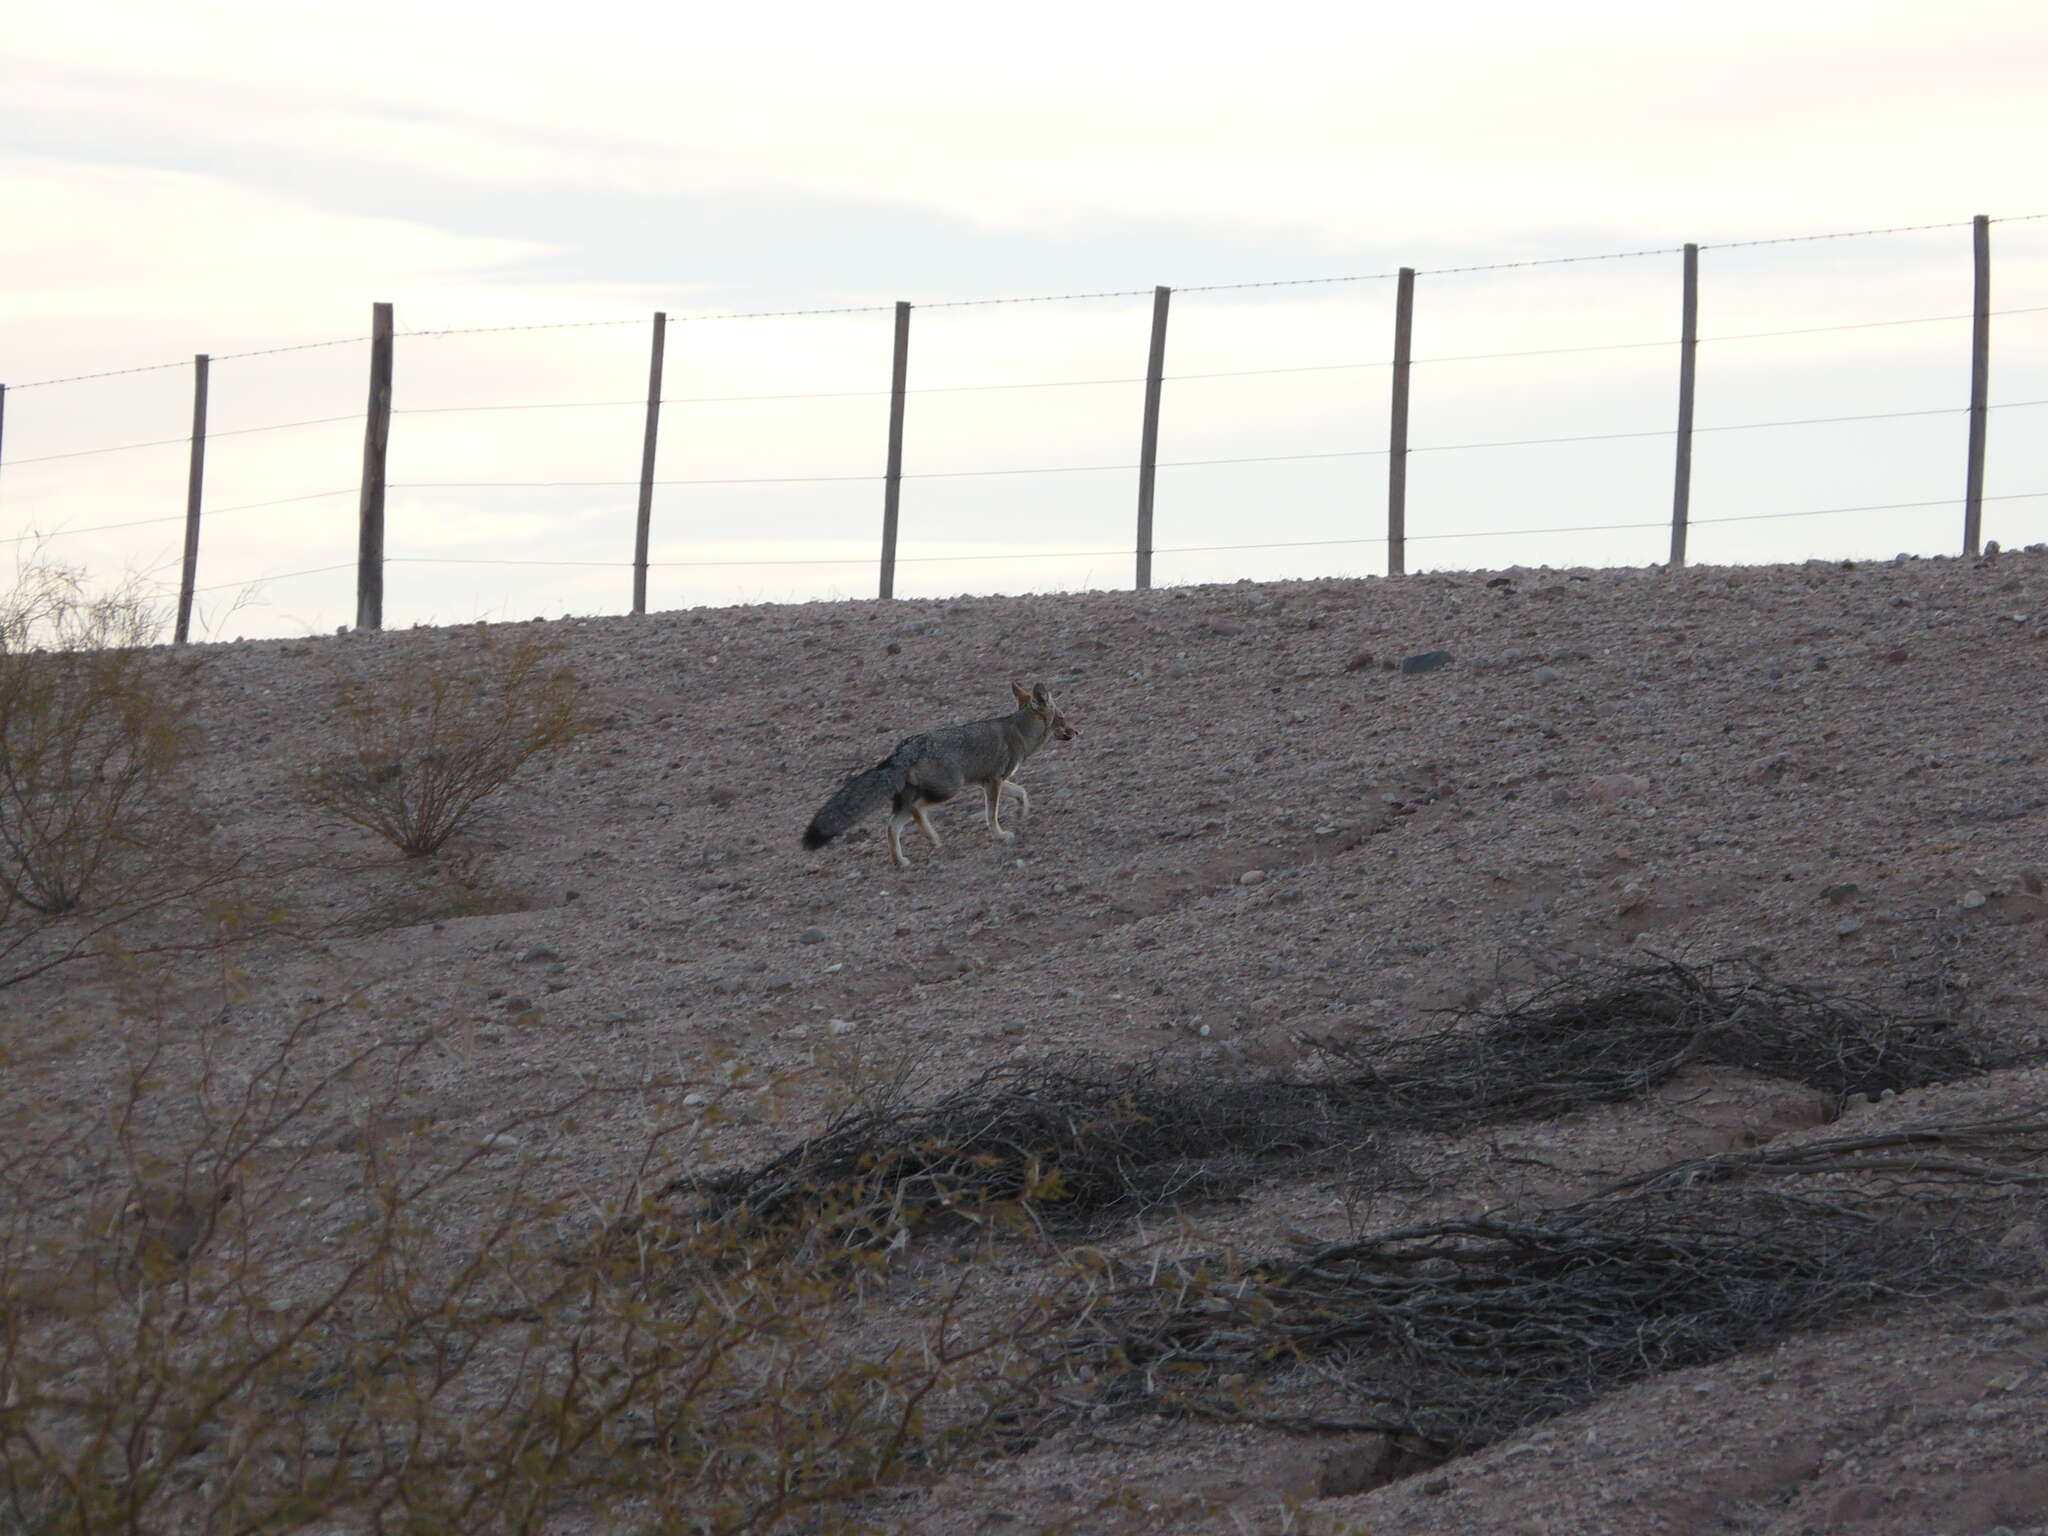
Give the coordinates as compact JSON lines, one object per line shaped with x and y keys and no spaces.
{"x":1018,"y":689}
{"x":1040,"y":697}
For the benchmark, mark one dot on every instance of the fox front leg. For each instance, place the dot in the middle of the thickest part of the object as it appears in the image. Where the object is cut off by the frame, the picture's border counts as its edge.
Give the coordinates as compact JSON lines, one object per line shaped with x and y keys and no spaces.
{"x":994,"y":790}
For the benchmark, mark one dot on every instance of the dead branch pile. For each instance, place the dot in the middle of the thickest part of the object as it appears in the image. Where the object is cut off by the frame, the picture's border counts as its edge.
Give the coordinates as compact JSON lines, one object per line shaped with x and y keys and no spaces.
{"x":1458,"y":1333}
{"x":1081,"y":1140}
{"x":1620,"y":1032}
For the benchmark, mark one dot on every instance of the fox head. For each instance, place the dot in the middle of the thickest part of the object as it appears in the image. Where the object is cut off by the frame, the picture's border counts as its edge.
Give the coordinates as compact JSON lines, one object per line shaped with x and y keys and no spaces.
{"x":1040,"y":703}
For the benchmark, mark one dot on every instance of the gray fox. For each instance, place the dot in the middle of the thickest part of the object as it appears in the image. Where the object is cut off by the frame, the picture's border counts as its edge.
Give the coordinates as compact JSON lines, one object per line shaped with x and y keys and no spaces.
{"x":931,"y":767}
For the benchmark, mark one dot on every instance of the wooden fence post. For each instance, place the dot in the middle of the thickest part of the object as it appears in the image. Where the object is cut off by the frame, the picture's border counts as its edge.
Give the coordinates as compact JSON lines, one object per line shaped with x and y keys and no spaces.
{"x":1980,"y":383}
{"x":1397,"y":428}
{"x":1148,"y":437}
{"x":376,"y":440}
{"x":892,"y":485}
{"x":647,"y":447}
{"x":1688,"y":350}
{"x":195,"y":482}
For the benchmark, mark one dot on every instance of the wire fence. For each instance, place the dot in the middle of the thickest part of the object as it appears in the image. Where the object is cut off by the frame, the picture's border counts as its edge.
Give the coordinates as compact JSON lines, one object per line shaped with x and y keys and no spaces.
{"x":374,"y":485}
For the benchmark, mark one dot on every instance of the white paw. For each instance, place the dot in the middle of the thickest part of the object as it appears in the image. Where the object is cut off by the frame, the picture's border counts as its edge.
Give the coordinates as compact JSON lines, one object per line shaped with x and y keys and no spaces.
{"x":1003,"y":836}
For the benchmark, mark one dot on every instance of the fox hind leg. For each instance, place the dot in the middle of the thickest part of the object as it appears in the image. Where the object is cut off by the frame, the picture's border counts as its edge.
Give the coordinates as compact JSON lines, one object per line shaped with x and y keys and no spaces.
{"x":898,"y":820}
{"x":924,"y":822}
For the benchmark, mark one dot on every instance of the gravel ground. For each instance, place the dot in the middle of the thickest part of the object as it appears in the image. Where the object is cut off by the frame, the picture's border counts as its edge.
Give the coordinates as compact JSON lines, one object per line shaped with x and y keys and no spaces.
{"x":1304,"y":809}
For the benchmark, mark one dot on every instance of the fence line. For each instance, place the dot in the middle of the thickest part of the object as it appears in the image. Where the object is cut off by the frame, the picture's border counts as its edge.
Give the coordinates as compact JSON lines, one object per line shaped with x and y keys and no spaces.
{"x":946,"y":389}
{"x":377,"y":418}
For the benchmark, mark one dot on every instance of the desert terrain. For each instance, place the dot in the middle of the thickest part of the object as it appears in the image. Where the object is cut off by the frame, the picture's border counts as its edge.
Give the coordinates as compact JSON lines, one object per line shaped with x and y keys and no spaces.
{"x":1296,"y":813}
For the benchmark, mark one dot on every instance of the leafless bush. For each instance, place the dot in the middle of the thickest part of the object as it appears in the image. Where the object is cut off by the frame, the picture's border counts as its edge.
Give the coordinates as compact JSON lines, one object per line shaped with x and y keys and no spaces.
{"x":219,"y":1312}
{"x":425,"y":747}
{"x":92,"y":737}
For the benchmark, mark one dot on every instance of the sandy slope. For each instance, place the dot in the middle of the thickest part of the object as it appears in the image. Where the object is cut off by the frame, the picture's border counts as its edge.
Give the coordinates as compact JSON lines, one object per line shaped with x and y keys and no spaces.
{"x":1261,"y":832}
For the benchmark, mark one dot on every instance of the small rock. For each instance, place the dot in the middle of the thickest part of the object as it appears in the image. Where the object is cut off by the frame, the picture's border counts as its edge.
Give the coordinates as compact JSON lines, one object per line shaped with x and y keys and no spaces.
{"x":536,"y":955}
{"x":1898,"y":654}
{"x":1547,"y":675}
{"x":1359,"y":661}
{"x":1972,"y":900}
{"x":918,"y":627}
{"x":1837,"y":894}
{"x":1768,"y":770}
{"x":1426,"y":661}
{"x":1252,"y":877}
{"x":692,"y":1100}
{"x":893,"y":648}
{"x":811,"y":935}
{"x":1612,"y":787}
{"x":1849,"y":925}
{"x":841,"y":1026}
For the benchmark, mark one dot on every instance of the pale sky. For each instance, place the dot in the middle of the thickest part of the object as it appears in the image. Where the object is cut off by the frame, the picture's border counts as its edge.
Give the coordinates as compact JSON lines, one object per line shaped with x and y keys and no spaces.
{"x":232,"y":177}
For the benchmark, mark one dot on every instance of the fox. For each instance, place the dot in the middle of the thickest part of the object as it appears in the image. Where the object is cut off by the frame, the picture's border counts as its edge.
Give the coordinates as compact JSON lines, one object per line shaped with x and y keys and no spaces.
{"x":931,"y":767}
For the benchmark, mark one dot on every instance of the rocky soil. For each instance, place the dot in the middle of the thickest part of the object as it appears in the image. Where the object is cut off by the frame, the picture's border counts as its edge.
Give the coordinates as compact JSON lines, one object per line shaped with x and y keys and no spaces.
{"x":1305,"y":809}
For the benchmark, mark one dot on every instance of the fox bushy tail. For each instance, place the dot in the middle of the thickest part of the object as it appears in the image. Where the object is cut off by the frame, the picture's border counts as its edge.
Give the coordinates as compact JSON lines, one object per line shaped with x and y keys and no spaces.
{"x":856,"y":798}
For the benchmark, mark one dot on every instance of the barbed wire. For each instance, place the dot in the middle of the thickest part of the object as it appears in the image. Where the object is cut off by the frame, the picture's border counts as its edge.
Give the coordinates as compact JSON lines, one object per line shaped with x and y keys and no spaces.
{"x":168,"y":442}
{"x":1267,"y":458}
{"x":1278,"y":458}
{"x":1203,"y":549}
{"x":1048,"y":298}
{"x":936,"y":389}
{"x":1847,"y":234}
{"x":258,"y":581}
{"x":177,"y":517}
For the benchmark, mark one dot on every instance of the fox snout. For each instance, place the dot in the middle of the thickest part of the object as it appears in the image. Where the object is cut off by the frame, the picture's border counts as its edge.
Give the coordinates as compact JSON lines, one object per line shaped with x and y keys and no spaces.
{"x":1061,"y":731}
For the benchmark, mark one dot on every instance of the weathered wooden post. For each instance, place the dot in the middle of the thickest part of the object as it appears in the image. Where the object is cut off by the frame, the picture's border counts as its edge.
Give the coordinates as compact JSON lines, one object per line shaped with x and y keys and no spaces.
{"x":1980,"y":383}
{"x":195,"y":481}
{"x":647,"y":447}
{"x":376,"y":442}
{"x":1148,"y":438}
{"x":892,"y":484}
{"x":1397,"y":427}
{"x":1688,"y":349}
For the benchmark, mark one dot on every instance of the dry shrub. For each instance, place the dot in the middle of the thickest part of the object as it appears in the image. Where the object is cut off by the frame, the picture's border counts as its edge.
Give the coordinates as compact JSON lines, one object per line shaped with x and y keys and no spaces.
{"x":280,"y":1296}
{"x":92,"y":737}
{"x":1451,"y":1336}
{"x":1083,"y":1140}
{"x":426,"y":745}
